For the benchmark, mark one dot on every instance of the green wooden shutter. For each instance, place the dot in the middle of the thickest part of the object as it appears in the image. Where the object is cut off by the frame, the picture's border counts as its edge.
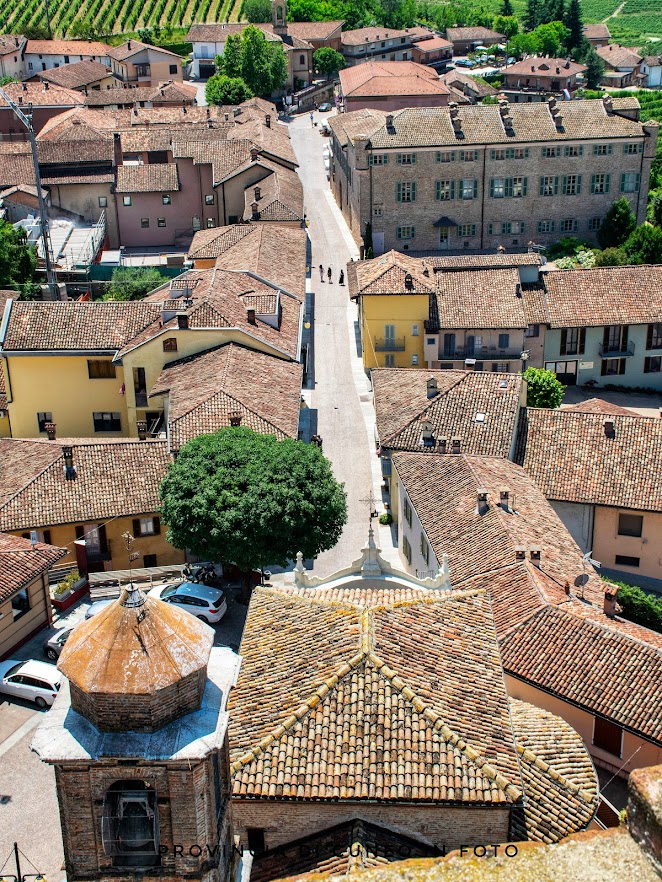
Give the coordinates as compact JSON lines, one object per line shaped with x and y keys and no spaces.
{"x":508,"y":187}
{"x":525,"y":186}
{"x":492,"y":187}
{"x":398,"y":192}
{"x":542,"y":186}
{"x":413,"y":191}
{"x":649,"y":337}
{"x":582,"y":341}
{"x":607,"y":183}
{"x":579,"y":185}
{"x":157,"y":525}
{"x":556,"y":185}
{"x":475,"y":188}
{"x":452,"y":189}
{"x":593,"y":177}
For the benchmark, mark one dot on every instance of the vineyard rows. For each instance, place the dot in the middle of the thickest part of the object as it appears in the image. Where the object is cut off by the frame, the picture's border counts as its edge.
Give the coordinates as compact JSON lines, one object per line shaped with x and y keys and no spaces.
{"x":114,"y":16}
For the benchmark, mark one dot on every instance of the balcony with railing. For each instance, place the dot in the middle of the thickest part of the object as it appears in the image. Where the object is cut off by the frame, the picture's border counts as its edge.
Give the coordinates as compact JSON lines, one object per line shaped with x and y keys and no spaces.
{"x":390,"y":344}
{"x":617,"y":350}
{"x":480,"y":353}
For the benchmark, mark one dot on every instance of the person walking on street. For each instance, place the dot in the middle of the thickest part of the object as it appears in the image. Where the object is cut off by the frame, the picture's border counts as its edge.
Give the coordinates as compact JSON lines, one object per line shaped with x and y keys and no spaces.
{"x":321,"y":273}
{"x":341,"y":280}
{"x":328,"y":273}
{"x":312,"y":118}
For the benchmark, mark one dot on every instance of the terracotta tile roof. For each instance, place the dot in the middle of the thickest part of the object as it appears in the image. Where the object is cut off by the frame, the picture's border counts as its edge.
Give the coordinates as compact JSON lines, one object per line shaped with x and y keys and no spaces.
{"x":571,"y":457}
{"x":544,"y":633}
{"x":545,"y":67}
{"x":101,"y":177}
{"x":594,"y":666}
{"x":77,"y":135}
{"x":478,"y":299}
{"x":127,"y":50}
{"x":77,"y":75}
{"x":465,"y":83}
{"x":401,"y":405}
{"x":76,"y":325}
{"x":535,"y":303}
{"x":203,"y":390}
{"x":360,"y":36}
{"x":473,"y":34}
{"x":388,"y":273}
{"x":363,"y":123}
{"x":390,"y":78}
{"x":165,"y":92}
{"x":314,"y":30}
{"x":21,"y":562}
{"x":618,"y":56}
{"x":16,"y":164}
{"x":281,"y":197}
{"x":337,"y":664}
{"x":599,"y":405}
{"x":11,"y":43}
{"x":556,"y":769}
{"x":596,"y":32}
{"x":151,"y":178}
{"x":38,"y":96}
{"x":67,"y":47}
{"x":277,"y":253}
{"x":218,"y":33}
{"x":480,"y":124}
{"x":114,"y":478}
{"x":433,"y":44}
{"x":604,"y":296}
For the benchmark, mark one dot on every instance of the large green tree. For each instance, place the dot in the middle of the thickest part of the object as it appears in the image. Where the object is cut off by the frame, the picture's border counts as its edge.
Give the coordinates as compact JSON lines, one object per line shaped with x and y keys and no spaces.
{"x":263,"y":63}
{"x":595,"y":66}
{"x":257,"y":11}
{"x":508,"y":25}
{"x":644,"y":245}
{"x":506,"y":9}
{"x":327,"y":60}
{"x":532,"y":15}
{"x":252,"y":500}
{"x":617,"y":224}
{"x":226,"y":90}
{"x":574,"y":23}
{"x":133,"y":282}
{"x":229,"y":63}
{"x":542,"y":388}
{"x":18,"y":260}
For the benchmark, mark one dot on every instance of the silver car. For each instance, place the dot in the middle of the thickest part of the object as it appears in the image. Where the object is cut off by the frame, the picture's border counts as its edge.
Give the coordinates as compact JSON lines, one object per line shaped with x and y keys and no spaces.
{"x":55,"y":644}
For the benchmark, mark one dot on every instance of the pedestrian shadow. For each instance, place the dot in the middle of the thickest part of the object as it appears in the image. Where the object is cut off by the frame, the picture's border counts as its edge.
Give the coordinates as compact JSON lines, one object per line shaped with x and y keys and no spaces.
{"x":357,"y":339}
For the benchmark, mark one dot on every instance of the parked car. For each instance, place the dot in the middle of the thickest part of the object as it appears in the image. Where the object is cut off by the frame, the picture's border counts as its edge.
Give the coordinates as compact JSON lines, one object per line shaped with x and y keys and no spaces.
{"x":98,"y":606}
{"x":203,"y":601}
{"x":325,"y":108}
{"x":34,"y":681}
{"x":54,"y":645}
{"x":465,"y":62}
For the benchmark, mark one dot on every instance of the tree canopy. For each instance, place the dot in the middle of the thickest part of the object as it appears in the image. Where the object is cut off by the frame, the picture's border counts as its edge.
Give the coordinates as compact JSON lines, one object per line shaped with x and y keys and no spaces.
{"x":261,"y":64}
{"x":575,"y":24}
{"x":543,"y":388}
{"x":133,"y":282}
{"x":252,"y":500}
{"x":617,"y":224}
{"x":644,"y":245}
{"x":327,"y":60}
{"x":18,"y":260}
{"x":221,"y":89}
{"x":257,"y":11}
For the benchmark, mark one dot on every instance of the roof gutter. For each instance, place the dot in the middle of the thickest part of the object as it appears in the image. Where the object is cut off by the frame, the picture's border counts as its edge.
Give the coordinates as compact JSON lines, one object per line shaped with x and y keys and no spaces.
{"x":5,"y":321}
{"x":17,"y":353}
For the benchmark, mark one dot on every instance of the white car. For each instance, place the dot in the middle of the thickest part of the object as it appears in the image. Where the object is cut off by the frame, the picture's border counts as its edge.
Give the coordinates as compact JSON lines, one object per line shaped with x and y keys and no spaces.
{"x":31,"y":680}
{"x":203,"y":601}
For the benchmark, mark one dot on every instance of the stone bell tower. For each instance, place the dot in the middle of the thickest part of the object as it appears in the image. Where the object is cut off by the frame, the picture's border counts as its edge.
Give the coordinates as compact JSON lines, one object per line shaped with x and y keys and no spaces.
{"x":137,"y":737}
{"x":279,"y":17}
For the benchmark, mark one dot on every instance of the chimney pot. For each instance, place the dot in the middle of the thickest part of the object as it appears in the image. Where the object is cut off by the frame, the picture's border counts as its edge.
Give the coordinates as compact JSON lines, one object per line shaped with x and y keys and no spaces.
{"x":250,"y":315}
{"x":611,"y":608}
{"x":254,"y":154}
{"x":254,"y":210}
{"x":69,"y":467}
{"x":427,"y":438}
{"x":536,"y":553}
{"x":520,"y":552}
{"x":504,"y":498}
{"x":50,"y":431}
{"x":443,"y":445}
{"x":141,"y":425}
{"x":432,"y":388}
{"x":235,"y":418}
{"x":389,"y":120}
{"x":456,"y":445}
{"x":128,"y":44}
{"x":481,"y":501}
{"x":257,"y":193}
{"x":267,"y":120}
{"x":609,"y":429}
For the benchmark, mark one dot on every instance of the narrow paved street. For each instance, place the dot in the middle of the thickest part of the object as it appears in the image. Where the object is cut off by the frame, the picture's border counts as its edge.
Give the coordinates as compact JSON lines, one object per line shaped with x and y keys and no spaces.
{"x":342,"y":393}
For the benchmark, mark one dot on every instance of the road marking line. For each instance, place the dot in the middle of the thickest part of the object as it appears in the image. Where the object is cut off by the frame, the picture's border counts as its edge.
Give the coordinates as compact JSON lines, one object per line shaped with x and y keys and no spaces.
{"x":16,"y":736}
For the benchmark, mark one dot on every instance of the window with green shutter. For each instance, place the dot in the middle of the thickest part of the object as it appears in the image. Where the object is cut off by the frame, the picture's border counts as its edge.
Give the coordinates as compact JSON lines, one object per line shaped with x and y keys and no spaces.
{"x":572,"y":185}
{"x":630,"y":182}
{"x":600,"y":183}
{"x":549,"y":185}
{"x":445,"y":191}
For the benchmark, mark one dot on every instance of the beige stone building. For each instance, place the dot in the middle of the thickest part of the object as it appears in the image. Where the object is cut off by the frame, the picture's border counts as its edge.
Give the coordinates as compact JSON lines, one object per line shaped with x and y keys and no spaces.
{"x":564,"y":647}
{"x":600,"y":466}
{"x":25,"y":601}
{"x":476,"y":177}
{"x":140,"y":64}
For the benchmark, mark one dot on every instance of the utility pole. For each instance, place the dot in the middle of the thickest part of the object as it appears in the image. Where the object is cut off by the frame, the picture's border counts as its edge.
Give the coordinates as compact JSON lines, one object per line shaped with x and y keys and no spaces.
{"x":26,"y":119}
{"x":18,"y":863}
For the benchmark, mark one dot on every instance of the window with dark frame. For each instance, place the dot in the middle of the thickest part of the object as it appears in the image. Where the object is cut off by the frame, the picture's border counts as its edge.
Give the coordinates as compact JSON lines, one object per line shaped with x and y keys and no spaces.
{"x":573,"y":341}
{"x":43,"y":417}
{"x":625,"y":560}
{"x":255,"y":836}
{"x":407,"y":510}
{"x":209,"y":199}
{"x":20,"y":603}
{"x":652,"y":364}
{"x":612,"y":367}
{"x":170,"y":344}
{"x":144,"y":223}
{"x":166,"y":198}
{"x":607,"y":736}
{"x":654,"y":336}
{"x":630,"y":525}
{"x":106,"y":421}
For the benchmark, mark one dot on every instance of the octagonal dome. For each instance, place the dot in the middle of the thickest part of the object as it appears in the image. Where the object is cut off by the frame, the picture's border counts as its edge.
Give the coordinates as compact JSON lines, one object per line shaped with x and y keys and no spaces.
{"x":138,"y":665}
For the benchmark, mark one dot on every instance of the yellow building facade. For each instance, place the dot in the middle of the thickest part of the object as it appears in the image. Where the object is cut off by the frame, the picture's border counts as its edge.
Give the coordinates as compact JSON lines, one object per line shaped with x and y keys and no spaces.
{"x":393,"y":329}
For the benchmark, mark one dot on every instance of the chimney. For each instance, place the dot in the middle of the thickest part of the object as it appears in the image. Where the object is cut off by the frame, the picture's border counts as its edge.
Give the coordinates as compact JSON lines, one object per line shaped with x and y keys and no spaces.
{"x":427,"y":438}
{"x":389,"y":121}
{"x":46,"y":86}
{"x":254,"y":154}
{"x":609,"y":429}
{"x":433,"y":390}
{"x":608,"y":104}
{"x":611,"y":608}
{"x":257,"y":193}
{"x":50,"y":431}
{"x":208,"y":113}
{"x":443,"y":445}
{"x":267,"y":120}
{"x":182,"y":322}
{"x":142,"y":430}
{"x":69,"y":467}
{"x":128,"y":44}
{"x":255,"y":214}
{"x":535,"y":552}
{"x":481,"y":502}
{"x":520,"y":552}
{"x":117,"y":149}
{"x":504,"y":498}
{"x":227,"y":117}
{"x":235,"y":418}
{"x":250,"y":316}
{"x":456,"y":445}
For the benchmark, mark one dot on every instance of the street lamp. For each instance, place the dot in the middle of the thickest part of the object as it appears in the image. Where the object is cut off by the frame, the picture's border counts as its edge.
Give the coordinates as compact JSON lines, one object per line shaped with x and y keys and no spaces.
{"x":525,"y":357}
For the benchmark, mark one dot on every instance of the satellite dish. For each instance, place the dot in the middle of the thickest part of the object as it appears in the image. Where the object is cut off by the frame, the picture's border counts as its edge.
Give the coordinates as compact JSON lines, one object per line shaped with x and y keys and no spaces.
{"x":580,"y":581}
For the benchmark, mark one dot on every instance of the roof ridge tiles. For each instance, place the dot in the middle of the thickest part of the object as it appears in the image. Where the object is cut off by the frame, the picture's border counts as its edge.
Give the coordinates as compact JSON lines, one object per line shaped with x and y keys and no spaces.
{"x":530,"y":757}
